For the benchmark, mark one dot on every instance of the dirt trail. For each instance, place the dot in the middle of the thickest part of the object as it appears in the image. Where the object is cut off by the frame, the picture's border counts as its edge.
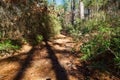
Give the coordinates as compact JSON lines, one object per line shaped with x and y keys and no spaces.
{"x":52,"y":60}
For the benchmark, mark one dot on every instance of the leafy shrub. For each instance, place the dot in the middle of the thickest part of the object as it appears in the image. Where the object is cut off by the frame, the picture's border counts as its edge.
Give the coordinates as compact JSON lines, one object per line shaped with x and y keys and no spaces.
{"x":39,"y":38}
{"x":74,"y":30}
{"x":105,"y":39}
{"x":55,"y":25}
{"x":7,"y":46}
{"x":24,"y":23}
{"x":27,"y":21}
{"x":115,"y":49}
{"x":94,"y":47}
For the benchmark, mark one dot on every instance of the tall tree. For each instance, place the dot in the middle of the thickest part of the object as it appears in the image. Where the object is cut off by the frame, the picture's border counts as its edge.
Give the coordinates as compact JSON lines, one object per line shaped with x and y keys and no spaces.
{"x":72,"y":11}
{"x":81,"y":9}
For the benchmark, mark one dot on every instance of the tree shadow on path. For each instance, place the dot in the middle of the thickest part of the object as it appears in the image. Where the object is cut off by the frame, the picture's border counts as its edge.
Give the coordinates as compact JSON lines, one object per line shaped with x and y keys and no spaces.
{"x":25,"y":64}
{"x":60,"y":72}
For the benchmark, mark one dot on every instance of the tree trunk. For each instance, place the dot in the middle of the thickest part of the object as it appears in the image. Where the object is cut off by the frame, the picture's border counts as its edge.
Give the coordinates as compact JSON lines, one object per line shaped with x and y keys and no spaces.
{"x":81,"y":11}
{"x":73,"y":11}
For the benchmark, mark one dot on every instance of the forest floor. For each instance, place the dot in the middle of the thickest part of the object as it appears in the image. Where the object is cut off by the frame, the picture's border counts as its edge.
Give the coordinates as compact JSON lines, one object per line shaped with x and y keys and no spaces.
{"x":51,"y":60}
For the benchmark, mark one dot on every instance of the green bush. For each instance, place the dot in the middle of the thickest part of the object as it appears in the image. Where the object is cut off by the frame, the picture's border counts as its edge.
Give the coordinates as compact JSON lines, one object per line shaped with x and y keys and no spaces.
{"x":39,"y":38}
{"x":115,"y":49}
{"x":74,"y":30}
{"x":27,"y":21}
{"x":106,"y":39}
{"x":55,"y":25}
{"x":8,"y":45}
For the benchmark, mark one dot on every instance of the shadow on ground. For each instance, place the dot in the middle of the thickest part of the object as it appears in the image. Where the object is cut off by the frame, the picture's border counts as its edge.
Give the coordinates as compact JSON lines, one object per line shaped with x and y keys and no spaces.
{"x":25,"y":64}
{"x":60,"y":72}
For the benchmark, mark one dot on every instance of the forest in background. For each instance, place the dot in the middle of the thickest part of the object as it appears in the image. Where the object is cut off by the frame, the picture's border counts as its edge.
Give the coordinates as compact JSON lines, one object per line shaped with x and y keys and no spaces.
{"x":94,"y":23}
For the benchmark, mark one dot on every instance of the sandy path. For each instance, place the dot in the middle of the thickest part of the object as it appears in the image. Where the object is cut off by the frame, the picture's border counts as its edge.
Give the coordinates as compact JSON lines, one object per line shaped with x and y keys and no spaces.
{"x":51,"y":60}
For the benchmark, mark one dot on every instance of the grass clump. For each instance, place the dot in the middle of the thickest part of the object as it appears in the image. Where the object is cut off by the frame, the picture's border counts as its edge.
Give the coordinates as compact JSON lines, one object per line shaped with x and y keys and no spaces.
{"x":7,"y":46}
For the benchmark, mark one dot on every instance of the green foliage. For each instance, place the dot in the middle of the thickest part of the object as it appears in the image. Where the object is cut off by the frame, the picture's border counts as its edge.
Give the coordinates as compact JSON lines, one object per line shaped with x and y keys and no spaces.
{"x":7,"y":45}
{"x":56,"y":26}
{"x":94,"y":47}
{"x":74,"y":30}
{"x":28,"y":22}
{"x":91,"y":3}
{"x":117,"y":61}
{"x":89,"y":26}
{"x":39,"y":38}
{"x":115,"y":49}
{"x":99,"y":34}
{"x":102,"y":37}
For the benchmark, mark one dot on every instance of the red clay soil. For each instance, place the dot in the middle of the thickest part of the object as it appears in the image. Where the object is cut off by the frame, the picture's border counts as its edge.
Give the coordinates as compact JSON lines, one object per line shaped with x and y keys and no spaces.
{"x":51,"y":60}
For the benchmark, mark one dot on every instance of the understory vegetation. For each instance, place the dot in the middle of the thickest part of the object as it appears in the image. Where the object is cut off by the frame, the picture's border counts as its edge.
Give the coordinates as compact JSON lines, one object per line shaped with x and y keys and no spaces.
{"x":100,"y":38}
{"x":26,"y":24}
{"x":100,"y":35}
